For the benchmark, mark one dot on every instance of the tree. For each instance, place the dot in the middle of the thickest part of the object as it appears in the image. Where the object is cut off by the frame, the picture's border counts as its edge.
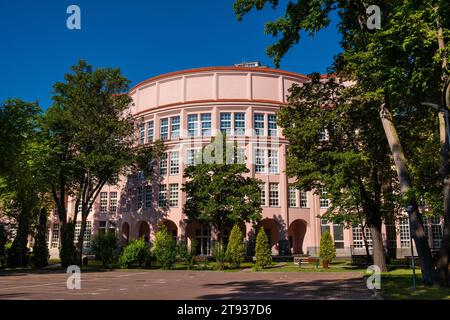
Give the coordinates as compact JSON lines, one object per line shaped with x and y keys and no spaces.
{"x":187,"y":253}
{"x":327,"y":251}
{"x":236,"y":252}
{"x":164,"y":248}
{"x":137,"y":251}
{"x":104,"y":246}
{"x":40,"y":249}
{"x":263,"y":253}
{"x":218,"y":251}
{"x":218,"y":193}
{"x":2,"y":246}
{"x":90,"y":142}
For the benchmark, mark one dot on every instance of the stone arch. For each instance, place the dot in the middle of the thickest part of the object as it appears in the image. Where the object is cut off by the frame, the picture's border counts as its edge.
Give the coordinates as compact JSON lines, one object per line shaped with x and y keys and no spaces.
{"x":125,"y":234}
{"x":272,"y":229}
{"x":143,"y":230}
{"x":171,"y":227}
{"x":296,"y":234}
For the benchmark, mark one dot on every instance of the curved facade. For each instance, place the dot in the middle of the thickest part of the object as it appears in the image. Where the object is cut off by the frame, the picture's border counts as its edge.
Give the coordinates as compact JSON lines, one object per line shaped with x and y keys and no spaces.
{"x":186,"y":109}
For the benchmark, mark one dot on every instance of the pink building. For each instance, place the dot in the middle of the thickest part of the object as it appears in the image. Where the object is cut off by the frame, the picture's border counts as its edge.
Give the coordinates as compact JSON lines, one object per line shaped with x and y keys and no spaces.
{"x":186,"y":109}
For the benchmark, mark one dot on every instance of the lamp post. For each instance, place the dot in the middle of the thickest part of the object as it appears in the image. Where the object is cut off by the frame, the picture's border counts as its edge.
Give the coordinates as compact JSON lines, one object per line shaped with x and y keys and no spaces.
{"x":410,"y":210}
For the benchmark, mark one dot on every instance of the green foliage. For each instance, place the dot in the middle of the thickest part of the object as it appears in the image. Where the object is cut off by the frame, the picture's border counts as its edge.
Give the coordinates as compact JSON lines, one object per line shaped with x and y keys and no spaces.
{"x":137,"y":251}
{"x":104,"y":246}
{"x":263,"y":252}
{"x":164,"y":248}
{"x":236,"y":252}
{"x":40,"y":255}
{"x":327,"y":251}
{"x":187,"y":253}
{"x":218,"y":251}
{"x":2,"y":246}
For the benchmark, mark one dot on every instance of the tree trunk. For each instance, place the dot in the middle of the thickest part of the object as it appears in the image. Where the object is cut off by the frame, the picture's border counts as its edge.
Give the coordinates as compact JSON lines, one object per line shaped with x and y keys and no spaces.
{"x":404,"y":178}
{"x":379,"y":258}
{"x":79,"y":251}
{"x":366,"y":244}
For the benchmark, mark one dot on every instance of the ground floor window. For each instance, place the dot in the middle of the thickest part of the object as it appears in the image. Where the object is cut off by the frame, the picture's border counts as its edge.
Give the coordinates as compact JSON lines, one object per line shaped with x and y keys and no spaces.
{"x":358,"y":237}
{"x":404,"y":233}
{"x":55,"y":235}
{"x":338,"y":232}
{"x":203,"y":241}
{"x":391,"y":235}
{"x":436,"y":232}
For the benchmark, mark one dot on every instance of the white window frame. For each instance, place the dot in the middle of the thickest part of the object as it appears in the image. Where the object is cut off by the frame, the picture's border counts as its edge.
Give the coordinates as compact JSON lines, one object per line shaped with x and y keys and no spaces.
{"x":292,"y":196}
{"x":239,"y":123}
{"x":274,"y":195}
{"x":259,"y":124}
{"x":162,"y":196}
{"x":304,"y":199}
{"x":193,"y":125}
{"x":113,"y":201}
{"x":272,"y":125}
{"x":273,"y":163}
{"x":173,"y":195}
{"x":205,"y":119}
{"x":103,"y":202}
{"x":164,"y":129}
{"x":174,"y":163}
{"x":175,"y":123}
{"x":148,"y":196}
{"x":226,"y":118}
{"x":150,"y":131}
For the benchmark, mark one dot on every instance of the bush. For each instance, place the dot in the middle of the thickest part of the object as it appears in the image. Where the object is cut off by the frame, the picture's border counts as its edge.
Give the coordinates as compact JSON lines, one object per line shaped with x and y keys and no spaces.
{"x":137,"y":251}
{"x":8,"y":254}
{"x":2,"y":246}
{"x":327,"y":251}
{"x":187,"y":254}
{"x":263,"y":251}
{"x":40,"y":254}
{"x":218,"y":253}
{"x":104,"y":246}
{"x":235,"y":253}
{"x":164,"y":248}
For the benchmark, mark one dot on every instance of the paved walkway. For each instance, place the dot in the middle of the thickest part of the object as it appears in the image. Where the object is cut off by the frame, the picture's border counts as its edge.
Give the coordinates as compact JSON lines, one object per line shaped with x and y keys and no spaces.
{"x":178,"y":285}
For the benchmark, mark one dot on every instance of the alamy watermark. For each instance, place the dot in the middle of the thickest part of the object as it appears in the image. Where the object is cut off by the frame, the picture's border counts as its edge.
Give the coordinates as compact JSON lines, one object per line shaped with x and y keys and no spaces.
{"x":374,"y":18}
{"x":373,"y":281}
{"x":73,"y":22}
{"x":74,"y":280}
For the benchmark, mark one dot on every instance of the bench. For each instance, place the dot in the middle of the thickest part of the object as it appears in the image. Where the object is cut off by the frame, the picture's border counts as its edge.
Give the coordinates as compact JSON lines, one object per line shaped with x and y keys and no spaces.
{"x":306,"y":260}
{"x":361,"y":260}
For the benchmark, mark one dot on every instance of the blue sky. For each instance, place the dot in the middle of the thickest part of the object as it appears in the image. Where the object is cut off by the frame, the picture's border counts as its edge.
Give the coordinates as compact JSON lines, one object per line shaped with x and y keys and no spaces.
{"x":143,"y":38}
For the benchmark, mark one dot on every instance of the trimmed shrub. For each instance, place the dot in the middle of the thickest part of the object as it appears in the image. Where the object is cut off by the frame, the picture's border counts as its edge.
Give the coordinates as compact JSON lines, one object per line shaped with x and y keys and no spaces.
{"x":218,"y":253}
{"x":235,"y":253}
{"x":104,"y":246}
{"x":137,"y":251}
{"x":263,"y":251}
{"x":40,"y":254}
{"x":187,"y":254}
{"x":327,"y":251}
{"x":164,"y":248}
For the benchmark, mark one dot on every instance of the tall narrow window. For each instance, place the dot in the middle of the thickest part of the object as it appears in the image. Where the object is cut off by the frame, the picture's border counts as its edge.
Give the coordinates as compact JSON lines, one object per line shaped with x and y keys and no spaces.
{"x":358,"y":237}
{"x":103,"y":201}
{"x":262,"y":200}
{"x":404,"y":232}
{"x":303,"y":199}
{"x":102,"y":227}
{"x":272,"y":125}
{"x":113,"y":201}
{"x":240,"y":155}
{"x":324,"y":226}
{"x":148,"y":196}
{"x":225,"y":123}
{"x":292,"y":196}
{"x":175,"y":127}
{"x":436,"y":232}
{"x":150,"y":131}
{"x":338,"y":236}
{"x":142,"y":134}
{"x":174,"y":163}
{"x":191,"y":157}
{"x":206,"y":124}
{"x":274,"y":199}
{"x":273,"y":160}
{"x":239,"y":124}
{"x":163,"y":165}
{"x":173,"y":196}
{"x":324,"y":201}
{"x":164,"y":129}
{"x":162,"y":196}
{"x":87,"y":235}
{"x":260,"y":161}
{"x":192,"y":125}
{"x":55,"y":235}
{"x":139,"y":197}
{"x":259,"y":124}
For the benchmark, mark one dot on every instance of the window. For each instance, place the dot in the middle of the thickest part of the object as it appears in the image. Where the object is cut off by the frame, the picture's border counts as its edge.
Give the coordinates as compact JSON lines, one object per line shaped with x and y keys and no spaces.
{"x":426,"y":227}
{"x":55,"y":235}
{"x":175,"y":127}
{"x":113,"y":201}
{"x":324,"y":202}
{"x":148,"y":196}
{"x":163,"y":165}
{"x":206,"y":124}
{"x":272,"y":125}
{"x":240,"y":155}
{"x":262,"y":200}
{"x":303,"y":199}
{"x":190,"y":157}
{"x":142,"y":134}
{"x":101,"y":227}
{"x":404,"y":233}
{"x":292,"y":196}
{"x":203,"y":241}
{"x":323,"y":135}
{"x":162,"y":196}
{"x":192,"y":125}
{"x":174,"y":163}
{"x":391,"y":234}
{"x":239,"y":124}
{"x":87,"y":235}
{"x":273,"y":160}
{"x":273,"y":195}
{"x":259,"y":124}
{"x":150,"y":131}
{"x":338,"y":232}
{"x":358,"y":238}
{"x":139,"y":197}
{"x":436,"y":232}
{"x":225,"y":123}
{"x":103,"y":201}
{"x":173,"y":195}
{"x":324,"y":226}
{"x":164,"y":129}
{"x":260,"y":161}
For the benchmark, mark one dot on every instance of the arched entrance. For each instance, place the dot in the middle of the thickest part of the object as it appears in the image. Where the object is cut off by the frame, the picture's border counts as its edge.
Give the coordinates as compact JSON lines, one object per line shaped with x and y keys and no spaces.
{"x":171,"y":228}
{"x":296,"y":234}
{"x":201,"y":234}
{"x":272,"y":229}
{"x":143,"y":230}
{"x":125,"y":237}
